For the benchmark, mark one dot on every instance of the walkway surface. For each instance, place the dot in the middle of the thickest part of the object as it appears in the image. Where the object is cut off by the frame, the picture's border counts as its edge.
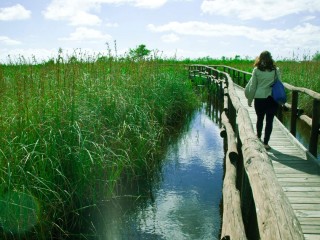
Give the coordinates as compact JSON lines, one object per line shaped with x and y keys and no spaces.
{"x":297,"y":173}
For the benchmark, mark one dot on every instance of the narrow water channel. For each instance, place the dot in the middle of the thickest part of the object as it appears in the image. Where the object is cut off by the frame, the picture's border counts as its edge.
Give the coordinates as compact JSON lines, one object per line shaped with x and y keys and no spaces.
{"x":184,"y":202}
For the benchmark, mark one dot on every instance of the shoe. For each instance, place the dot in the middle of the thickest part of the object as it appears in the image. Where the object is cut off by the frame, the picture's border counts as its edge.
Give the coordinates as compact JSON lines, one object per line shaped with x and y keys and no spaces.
{"x":266,"y":146}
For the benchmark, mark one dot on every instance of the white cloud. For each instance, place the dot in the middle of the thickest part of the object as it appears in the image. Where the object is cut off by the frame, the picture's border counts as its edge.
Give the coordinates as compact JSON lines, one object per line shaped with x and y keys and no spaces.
{"x":77,"y":11}
{"x":201,"y":29}
{"x":8,"y":41}
{"x":112,"y":25}
{"x":145,"y":3}
{"x":87,"y":34}
{"x":308,"y":18}
{"x":306,"y":35}
{"x":84,"y":19}
{"x":16,"y":12}
{"x":169,"y":38}
{"x":262,"y":9}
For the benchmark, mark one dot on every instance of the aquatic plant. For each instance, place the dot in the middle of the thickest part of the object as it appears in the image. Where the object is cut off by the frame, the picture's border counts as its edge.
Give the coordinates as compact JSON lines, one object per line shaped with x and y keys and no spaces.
{"x":72,"y":129}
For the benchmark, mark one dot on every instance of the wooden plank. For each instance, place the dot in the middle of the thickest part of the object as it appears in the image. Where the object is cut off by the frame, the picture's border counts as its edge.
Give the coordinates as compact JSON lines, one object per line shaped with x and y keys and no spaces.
{"x":304,"y":206}
{"x":301,"y":175}
{"x":299,"y":184}
{"x":313,"y":229}
{"x":313,"y":221}
{"x":311,"y":237}
{"x":301,"y":189}
{"x":294,"y":165}
{"x":307,"y":213}
{"x":306,"y":179}
{"x":280,"y":158}
{"x":311,"y":171}
{"x":288,"y":159}
{"x":283,"y":151}
{"x":288,"y":148}
{"x":285,"y":171}
{"x":275,"y":154}
{"x":303,"y":194}
{"x":278,"y":135}
{"x":305,"y":200}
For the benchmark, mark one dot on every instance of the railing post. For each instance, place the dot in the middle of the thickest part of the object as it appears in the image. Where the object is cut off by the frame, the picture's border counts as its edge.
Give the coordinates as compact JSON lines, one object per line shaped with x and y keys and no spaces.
{"x":294,"y":113}
{"x":209,"y":78}
{"x":217,"y":102}
{"x":233,"y":74}
{"x":313,"y":144}
{"x":244,"y":79}
{"x":220,"y":100}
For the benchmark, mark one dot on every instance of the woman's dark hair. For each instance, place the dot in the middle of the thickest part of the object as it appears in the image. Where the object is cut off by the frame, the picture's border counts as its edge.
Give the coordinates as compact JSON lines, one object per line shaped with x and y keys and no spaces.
{"x":265,"y":62}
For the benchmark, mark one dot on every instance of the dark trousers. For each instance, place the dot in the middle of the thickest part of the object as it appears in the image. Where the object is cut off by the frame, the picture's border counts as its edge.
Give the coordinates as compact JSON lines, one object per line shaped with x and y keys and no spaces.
{"x":265,"y":107}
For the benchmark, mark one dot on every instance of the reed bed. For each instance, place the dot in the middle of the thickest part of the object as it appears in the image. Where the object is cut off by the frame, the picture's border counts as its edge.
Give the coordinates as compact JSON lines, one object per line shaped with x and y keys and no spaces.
{"x":72,"y":130}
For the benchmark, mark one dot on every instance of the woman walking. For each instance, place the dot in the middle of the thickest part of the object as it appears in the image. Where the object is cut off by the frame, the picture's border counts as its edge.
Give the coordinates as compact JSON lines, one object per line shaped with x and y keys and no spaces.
{"x":259,"y":89}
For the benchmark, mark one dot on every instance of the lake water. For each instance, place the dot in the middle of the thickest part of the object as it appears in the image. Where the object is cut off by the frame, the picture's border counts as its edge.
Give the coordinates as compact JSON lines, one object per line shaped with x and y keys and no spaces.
{"x":183,"y":201}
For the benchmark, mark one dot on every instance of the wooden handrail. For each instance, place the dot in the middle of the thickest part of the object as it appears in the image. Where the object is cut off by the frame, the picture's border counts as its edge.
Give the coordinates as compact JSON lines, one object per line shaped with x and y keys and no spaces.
{"x":232,"y":223}
{"x":311,"y":93}
{"x":271,"y":204}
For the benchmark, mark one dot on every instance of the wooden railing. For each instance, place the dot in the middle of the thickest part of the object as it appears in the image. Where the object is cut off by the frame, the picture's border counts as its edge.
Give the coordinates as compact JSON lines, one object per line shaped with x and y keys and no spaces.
{"x":254,"y":204}
{"x":241,"y":78}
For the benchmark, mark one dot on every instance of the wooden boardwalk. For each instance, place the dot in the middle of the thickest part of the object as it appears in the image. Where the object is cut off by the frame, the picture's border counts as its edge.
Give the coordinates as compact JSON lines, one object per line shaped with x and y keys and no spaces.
{"x":297,"y":171}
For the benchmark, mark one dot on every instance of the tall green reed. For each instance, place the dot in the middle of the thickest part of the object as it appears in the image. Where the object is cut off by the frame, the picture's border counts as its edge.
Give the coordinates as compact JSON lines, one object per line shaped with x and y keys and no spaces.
{"x":71,"y":130}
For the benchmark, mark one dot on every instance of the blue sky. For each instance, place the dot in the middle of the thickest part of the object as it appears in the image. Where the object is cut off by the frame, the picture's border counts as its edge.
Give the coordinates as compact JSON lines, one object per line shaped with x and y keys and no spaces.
{"x":173,"y":28}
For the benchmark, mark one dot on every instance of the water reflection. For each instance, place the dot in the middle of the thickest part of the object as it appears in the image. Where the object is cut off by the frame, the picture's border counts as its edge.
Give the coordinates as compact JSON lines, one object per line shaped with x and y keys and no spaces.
{"x":185,"y":202}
